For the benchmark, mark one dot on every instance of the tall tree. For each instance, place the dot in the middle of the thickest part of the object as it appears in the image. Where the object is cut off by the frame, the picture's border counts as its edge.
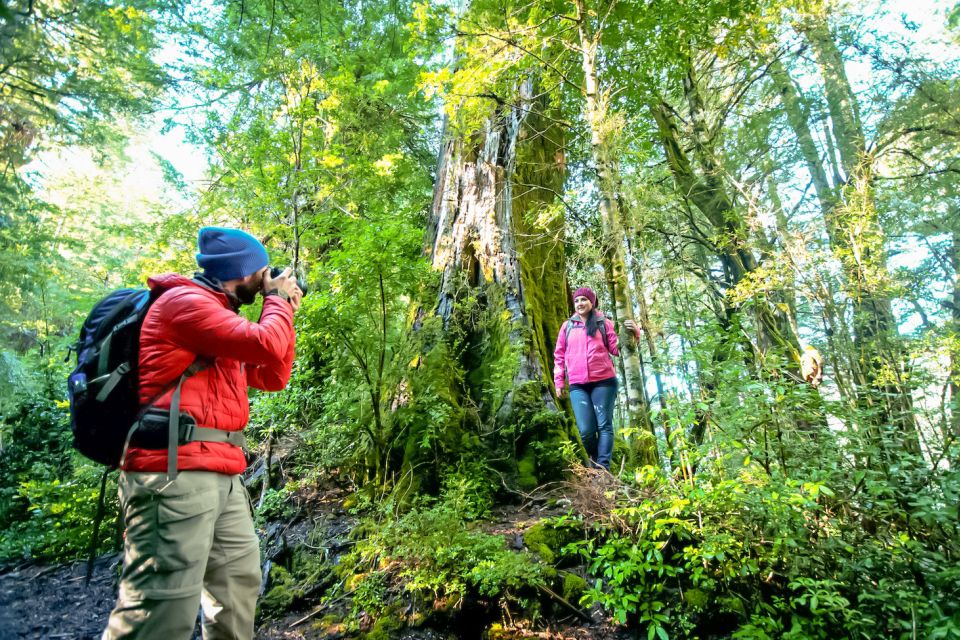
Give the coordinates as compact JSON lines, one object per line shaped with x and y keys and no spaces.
{"x":591,"y":23}
{"x":501,"y":257}
{"x":70,"y":74}
{"x":850,"y":214}
{"x":319,"y":134}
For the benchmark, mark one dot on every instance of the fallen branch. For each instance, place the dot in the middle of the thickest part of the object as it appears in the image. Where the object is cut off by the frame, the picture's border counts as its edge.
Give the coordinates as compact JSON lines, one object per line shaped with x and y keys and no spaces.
{"x":321,"y":608}
{"x":556,"y":596}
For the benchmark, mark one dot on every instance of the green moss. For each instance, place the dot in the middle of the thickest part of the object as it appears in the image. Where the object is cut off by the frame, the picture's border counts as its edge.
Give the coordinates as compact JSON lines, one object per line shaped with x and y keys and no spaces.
{"x":731,"y":603}
{"x":696,"y":598}
{"x":288,"y":584}
{"x":499,"y":632}
{"x":527,"y":471}
{"x":538,"y":228}
{"x":488,"y":351}
{"x":544,"y":448}
{"x":330,"y":625}
{"x":573,"y":586}
{"x":384,"y":627}
{"x":639,"y":451}
{"x":554,"y":447}
{"x":548,"y":540}
{"x":330,"y":619}
{"x":350,"y":501}
{"x":282,"y":593}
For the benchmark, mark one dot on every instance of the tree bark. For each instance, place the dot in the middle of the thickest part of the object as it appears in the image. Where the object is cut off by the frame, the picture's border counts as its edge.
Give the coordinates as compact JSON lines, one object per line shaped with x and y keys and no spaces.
{"x":611,"y":216}
{"x":854,"y":230}
{"x":496,"y":252}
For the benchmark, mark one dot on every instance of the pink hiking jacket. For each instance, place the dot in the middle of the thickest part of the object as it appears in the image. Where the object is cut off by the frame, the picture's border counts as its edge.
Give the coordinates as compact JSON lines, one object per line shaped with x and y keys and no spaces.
{"x":585,"y":359}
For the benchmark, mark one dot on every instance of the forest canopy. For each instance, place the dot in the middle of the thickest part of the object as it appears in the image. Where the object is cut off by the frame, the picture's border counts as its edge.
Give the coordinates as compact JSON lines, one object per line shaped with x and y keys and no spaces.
{"x":768,"y":189}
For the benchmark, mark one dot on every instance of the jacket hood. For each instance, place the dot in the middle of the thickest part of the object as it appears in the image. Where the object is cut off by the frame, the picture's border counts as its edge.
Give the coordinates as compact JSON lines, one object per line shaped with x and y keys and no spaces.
{"x":167,"y":281}
{"x":575,"y":318}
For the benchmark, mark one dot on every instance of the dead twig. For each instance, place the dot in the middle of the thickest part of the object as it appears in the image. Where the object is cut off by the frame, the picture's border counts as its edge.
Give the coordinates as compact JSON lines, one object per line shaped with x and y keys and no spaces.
{"x":580,"y":612}
{"x":321,"y":609}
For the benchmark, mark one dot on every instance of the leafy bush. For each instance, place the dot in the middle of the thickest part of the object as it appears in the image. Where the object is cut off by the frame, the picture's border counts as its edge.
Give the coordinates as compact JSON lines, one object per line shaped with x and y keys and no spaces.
{"x":60,"y":518}
{"x":35,"y":441}
{"x":48,"y":493}
{"x":433,"y":554}
{"x":276,"y":504}
{"x":471,"y":488}
{"x":767,"y":556}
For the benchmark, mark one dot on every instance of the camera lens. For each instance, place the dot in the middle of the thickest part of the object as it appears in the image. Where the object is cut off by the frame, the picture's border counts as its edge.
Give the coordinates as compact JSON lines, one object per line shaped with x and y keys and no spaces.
{"x":275,"y":273}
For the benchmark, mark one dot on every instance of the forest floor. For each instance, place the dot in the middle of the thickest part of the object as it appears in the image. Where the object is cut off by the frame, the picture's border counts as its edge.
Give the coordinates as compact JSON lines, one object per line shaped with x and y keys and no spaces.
{"x":53,"y":602}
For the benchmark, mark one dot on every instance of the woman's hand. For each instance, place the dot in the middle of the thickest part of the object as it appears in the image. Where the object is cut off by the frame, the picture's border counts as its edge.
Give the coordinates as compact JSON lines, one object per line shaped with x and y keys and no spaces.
{"x":632,"y":328}
{"x":561,"y":392}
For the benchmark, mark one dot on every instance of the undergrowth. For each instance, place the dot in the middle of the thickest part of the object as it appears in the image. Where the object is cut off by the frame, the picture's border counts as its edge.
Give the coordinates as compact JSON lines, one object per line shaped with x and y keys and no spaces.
{"x":433,"y":558}
{"x":758,"y":556}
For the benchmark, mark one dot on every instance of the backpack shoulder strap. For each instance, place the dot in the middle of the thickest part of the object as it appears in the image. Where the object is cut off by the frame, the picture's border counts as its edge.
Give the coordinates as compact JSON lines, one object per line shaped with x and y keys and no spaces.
{"x":603,"y":333}
{"x":568,"y":327}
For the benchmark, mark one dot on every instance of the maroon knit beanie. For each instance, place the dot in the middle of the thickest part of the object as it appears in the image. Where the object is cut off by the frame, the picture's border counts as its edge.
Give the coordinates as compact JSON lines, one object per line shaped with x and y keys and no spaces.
{"x":587,"y":293}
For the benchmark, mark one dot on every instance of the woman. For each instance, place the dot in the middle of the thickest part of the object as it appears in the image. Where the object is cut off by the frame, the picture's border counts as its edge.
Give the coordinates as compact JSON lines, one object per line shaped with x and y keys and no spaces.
{"x":584,"y":346}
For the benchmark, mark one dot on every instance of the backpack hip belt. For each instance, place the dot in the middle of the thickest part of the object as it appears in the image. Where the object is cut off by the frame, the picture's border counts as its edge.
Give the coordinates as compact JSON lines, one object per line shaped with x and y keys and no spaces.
{"x":151,"y":431}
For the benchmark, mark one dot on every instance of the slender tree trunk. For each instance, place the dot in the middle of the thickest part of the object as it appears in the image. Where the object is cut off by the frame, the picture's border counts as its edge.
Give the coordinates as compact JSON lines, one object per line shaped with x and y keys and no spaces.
{"x":955,"y":342}
{"x":841,"y":101}
{"x":797,"y":115}
{"x":649,"y":333}
{"x":854,"y":231}
{"x":788,"y":291}
{"x":607,"y":179}
{"x":708,"y":195}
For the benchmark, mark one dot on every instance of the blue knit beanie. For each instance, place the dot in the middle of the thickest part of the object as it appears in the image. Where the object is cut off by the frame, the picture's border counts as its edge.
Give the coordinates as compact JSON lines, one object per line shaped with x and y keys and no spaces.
{"x":228,"y":254}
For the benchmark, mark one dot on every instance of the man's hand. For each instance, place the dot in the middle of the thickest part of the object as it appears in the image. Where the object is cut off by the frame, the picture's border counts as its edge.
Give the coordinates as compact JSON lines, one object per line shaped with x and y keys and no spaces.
{"x":284,"y":286}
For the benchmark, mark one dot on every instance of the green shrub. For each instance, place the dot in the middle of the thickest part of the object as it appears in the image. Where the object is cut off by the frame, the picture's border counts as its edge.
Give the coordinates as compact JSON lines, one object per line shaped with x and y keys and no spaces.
{"x":759,"y":555}
{"x":60,"y":518}
{"x":434,"y":554}
{"x":36,"y":446}
{"x":276,"y":504}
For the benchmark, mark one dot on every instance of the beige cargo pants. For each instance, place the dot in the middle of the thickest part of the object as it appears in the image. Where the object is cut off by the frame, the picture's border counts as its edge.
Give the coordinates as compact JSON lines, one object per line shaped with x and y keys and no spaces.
{"x":189,"y":543}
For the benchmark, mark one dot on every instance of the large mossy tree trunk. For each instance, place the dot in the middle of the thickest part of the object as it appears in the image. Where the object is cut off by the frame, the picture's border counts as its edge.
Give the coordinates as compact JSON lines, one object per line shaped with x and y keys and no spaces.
{"x":503,"y":293}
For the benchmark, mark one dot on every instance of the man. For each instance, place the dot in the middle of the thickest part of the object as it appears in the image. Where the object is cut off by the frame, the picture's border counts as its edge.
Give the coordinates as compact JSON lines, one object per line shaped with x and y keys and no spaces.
{"x":190,"y":539}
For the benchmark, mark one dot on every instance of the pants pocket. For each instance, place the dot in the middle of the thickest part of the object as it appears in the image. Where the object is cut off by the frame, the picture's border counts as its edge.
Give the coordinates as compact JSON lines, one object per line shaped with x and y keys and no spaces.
{"x":184,"y":530}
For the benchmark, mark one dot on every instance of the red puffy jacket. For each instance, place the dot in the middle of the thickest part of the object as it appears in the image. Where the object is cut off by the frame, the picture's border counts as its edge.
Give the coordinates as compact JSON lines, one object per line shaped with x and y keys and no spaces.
{"x":190,"y":319}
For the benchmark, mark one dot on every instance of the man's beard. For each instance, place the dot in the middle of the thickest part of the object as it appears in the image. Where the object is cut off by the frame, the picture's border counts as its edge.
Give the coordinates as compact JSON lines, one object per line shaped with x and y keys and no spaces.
{"x":247,"y":293}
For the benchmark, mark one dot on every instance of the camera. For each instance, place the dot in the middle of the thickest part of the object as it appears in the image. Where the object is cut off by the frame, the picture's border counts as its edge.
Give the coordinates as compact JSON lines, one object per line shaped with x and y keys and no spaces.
{"x":276,"y":271}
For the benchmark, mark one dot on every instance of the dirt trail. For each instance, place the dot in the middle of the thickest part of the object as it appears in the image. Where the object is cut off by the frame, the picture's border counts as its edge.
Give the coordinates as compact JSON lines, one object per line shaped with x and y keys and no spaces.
{"x":54,"y":603}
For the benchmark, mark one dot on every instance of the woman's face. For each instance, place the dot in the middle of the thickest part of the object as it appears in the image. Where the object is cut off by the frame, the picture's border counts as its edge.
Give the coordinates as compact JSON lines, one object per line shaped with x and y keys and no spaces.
{"x":582,"y":305}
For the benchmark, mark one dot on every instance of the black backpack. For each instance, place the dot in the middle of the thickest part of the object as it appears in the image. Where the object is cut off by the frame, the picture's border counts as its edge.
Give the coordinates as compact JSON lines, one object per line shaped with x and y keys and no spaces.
{"x":105,"y":408}
{"x":104,"y":387}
